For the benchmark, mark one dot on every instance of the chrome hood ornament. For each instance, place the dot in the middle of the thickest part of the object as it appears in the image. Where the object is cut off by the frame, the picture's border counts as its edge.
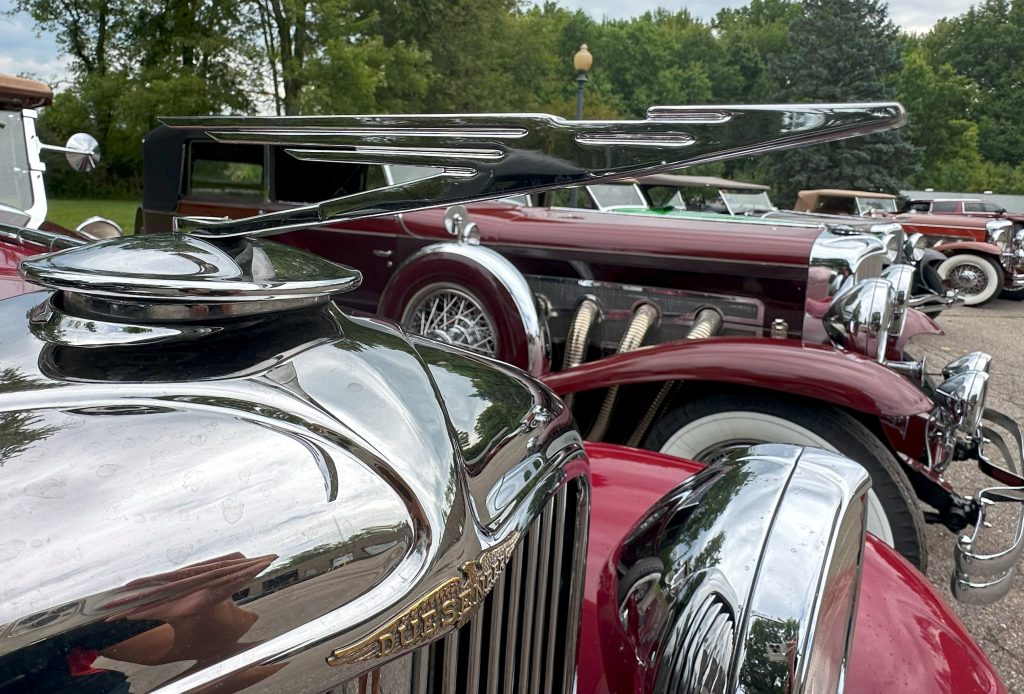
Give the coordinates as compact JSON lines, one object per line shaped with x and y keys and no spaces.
{"x":489,"y":156}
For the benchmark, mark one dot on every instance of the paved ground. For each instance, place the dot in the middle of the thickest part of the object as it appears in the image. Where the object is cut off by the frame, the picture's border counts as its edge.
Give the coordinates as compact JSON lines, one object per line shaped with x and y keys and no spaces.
{"x":997,"y":328}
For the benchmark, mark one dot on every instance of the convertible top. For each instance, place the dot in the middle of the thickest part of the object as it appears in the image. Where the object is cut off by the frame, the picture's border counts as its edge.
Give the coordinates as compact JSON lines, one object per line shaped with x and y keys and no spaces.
{"x":17,"y":93}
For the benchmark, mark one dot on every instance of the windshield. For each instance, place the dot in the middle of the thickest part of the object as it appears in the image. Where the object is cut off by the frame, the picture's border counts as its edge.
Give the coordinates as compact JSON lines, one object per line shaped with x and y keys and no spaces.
{"x":617,"y":195}
{"x":15,"y":177}
{"x":867,"y":205}
{"x":741,"y":203}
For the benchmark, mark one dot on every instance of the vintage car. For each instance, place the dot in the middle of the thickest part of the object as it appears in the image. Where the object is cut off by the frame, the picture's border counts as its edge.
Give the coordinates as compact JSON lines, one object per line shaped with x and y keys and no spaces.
{"x":22,"y":193}
{"x":218,"y":481}
{"x":966,"y":207}
{"x":984,"y":257}
{"x":799,"y":338}
{"x":748,"y":203}
{"x":853,"y":202}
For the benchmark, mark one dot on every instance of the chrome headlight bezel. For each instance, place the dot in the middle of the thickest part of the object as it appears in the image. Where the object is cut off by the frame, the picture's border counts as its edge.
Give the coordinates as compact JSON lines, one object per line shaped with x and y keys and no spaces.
{"x":997,"y":232}
{"x":915,"y":246}
{"x":861,"y":319}
{"x":706,"y":605}
{"x":959,"y":408}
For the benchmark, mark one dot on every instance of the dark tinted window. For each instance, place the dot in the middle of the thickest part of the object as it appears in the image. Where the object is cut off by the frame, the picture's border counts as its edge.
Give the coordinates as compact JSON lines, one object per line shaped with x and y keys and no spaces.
{"x":943,"y":206}
{"x":225,"y":171}
{"x":991,"y":207}
{"x":973,"y":207}
{"x":917,"y":206}
{"x":836,"y":205}
{"x":312,"y":181}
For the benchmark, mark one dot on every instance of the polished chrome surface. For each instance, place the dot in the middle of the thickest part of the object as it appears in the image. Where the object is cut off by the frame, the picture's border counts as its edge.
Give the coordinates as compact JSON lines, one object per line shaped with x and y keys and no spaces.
{"x":746,"y":576}
{"x":862,"y":318}
{"x":81,"y":150}
{"x":838,"y":261}
{"x":493,"y":156}
{"x":998,"y":232}
{"x":37,"y":238}
{"x":283,"y":493}
{"x":176,"y":278}
{"x":97,"y":227}
{"x":901,"y":276}
{"x":493,"y":652}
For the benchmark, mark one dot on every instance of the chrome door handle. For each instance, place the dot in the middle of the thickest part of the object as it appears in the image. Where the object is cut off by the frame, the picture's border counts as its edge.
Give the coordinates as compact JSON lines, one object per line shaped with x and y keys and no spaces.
{"x":382,"y":252}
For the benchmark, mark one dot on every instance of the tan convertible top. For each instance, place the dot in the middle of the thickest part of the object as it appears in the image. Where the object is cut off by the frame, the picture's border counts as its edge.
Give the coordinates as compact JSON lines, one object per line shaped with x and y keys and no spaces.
{"x":807,"y":200}
{"x":676,"y":180}
{"x":18,"y":93}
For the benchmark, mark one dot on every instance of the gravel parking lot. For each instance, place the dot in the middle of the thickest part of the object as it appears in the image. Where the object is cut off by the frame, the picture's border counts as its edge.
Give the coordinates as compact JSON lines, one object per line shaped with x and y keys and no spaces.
{"x":997,"y":328}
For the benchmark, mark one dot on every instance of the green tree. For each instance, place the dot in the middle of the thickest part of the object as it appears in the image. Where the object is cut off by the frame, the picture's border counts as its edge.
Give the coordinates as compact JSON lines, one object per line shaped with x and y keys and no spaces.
{"x":984,"y":45}
{"x":841,"y":50}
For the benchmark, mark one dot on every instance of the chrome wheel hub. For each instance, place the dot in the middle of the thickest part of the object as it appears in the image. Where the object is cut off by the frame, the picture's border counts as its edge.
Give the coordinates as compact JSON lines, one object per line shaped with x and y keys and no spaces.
{"x":454,"y":317}
{"x":968,"y":279}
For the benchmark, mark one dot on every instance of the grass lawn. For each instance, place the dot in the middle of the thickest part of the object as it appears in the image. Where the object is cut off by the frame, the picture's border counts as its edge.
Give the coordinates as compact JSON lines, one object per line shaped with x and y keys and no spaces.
{"x":71,"y":213}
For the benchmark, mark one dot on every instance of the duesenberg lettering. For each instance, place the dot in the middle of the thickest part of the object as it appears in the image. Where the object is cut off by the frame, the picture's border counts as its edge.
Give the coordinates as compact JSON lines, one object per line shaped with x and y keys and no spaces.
{"x":446,"y":607}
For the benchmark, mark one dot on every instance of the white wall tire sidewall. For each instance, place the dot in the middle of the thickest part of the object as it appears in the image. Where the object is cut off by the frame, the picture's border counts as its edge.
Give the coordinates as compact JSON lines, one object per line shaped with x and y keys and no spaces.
{"x":995,"y":278}
{"x":703,"y":433}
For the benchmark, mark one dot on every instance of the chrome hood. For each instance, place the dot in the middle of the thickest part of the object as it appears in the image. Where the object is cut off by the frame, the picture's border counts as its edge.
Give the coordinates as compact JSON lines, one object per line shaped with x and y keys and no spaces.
{"x":306,"y":466}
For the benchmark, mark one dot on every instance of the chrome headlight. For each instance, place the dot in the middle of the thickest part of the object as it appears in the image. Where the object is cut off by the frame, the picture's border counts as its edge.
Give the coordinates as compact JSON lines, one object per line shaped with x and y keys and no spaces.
{"x":892,"y":247}
{"x":959,"y":407}
{"x":997,"y":232}
{"x":1018,"y":239}
{"x":717,"y":610}
{"x":915,"y":246}
{"x":861,"y":318}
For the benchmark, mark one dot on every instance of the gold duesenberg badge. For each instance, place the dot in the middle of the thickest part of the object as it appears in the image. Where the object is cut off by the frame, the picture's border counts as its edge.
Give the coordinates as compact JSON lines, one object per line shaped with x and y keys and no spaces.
{"x":446,"y":607}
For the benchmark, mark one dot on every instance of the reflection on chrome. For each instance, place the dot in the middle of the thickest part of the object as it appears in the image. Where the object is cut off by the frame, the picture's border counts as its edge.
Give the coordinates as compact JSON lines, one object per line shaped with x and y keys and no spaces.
{"x":746,"y":577}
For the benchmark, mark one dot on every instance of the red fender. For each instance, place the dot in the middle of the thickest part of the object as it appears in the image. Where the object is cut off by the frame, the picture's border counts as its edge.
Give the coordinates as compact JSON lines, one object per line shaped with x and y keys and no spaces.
{"x":788,"y":366}
{"x":906,"y":639}
{"x":499,"y":286}
{"x":916,"y":324}
{"x":953,"y":247}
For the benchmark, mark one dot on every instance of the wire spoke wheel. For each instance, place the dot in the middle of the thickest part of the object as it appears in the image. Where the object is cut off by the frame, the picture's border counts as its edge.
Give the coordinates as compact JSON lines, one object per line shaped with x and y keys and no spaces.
{"x":975,"y":278}
{"x":453,"y":316}
{"x":968,"y":279}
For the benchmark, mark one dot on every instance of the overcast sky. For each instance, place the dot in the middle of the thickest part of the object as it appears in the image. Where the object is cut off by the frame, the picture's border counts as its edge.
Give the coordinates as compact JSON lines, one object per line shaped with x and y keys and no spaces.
{"x":21,"y":51}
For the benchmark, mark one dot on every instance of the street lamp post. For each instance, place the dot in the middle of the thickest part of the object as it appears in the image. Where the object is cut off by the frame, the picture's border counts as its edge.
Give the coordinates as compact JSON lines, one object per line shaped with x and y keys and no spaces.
{"x":582,"y":60}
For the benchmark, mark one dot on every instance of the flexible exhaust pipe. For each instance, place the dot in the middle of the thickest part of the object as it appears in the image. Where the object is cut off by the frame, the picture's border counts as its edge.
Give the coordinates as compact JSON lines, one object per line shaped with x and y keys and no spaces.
{"x":707,"y":323}
{"x":644,"y":318}
{"x":587,"y":312}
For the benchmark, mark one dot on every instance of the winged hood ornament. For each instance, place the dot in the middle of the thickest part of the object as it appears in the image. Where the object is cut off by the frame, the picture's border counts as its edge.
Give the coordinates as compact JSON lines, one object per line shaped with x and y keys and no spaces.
{"x":486,"y":156}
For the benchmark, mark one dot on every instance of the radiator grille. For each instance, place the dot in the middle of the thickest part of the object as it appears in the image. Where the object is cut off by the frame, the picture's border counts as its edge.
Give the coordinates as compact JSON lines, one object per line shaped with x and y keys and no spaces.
{"x":523,"y":637}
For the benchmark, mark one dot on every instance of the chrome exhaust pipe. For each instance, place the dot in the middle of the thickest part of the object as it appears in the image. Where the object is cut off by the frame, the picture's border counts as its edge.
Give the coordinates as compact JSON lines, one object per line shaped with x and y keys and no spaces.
{"x":587,"y":312}
{"x":707,"y":323}
{"x":645,"y":316}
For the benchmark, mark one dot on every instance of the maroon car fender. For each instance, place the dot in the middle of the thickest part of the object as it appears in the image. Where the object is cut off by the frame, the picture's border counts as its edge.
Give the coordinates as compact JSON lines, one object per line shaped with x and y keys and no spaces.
{"x":954,"y":247}
{"x":492,"y":280}
{"x":810,"y":371}
{"x":916,"y":324}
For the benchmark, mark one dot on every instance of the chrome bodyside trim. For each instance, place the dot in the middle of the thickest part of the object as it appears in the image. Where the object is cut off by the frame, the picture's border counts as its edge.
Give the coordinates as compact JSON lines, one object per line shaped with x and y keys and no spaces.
{"x":493,"y":156}
{"x":713,"y":607}
{"x":44,"y":240}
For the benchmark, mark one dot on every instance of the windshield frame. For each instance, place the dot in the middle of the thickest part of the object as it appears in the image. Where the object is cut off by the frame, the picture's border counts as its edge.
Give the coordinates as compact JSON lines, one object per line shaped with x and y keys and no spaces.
{"x":738,"y":210}
{"x":864,"y":209}
{"x":36,"y":212}
{"x":641,"y":201}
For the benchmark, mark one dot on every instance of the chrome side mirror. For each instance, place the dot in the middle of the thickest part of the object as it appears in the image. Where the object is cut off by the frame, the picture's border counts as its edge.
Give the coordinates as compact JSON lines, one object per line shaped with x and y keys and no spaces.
{"x":456,"y":223}
{"x":82,"y":152}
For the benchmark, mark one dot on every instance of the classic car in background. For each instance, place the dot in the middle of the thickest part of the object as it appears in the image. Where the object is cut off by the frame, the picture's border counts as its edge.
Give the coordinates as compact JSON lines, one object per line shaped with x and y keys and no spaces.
{"x":852,"y":202}
{"x":984,"y":257}
{"x":22,"y":193}
{"x":223,"y":482}
{"x":798,"y":339}
{"x":966,"y":207}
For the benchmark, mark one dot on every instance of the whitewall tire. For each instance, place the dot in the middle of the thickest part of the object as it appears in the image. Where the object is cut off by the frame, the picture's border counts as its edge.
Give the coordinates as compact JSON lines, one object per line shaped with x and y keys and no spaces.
{"x":976,"y":278}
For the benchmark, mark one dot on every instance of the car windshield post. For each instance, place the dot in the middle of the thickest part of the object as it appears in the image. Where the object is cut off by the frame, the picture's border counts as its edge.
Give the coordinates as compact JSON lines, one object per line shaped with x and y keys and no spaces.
{"x":15,"y":172}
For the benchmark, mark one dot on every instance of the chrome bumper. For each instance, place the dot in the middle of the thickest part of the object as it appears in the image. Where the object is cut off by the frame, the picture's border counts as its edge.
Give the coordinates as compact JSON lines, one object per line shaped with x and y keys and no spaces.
{"x":979,"y":577}
{"x":1013,"y":263}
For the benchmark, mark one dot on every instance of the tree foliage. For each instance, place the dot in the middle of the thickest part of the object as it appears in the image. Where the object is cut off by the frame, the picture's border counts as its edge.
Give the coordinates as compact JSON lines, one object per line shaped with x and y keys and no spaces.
{"x":133,"y":60}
